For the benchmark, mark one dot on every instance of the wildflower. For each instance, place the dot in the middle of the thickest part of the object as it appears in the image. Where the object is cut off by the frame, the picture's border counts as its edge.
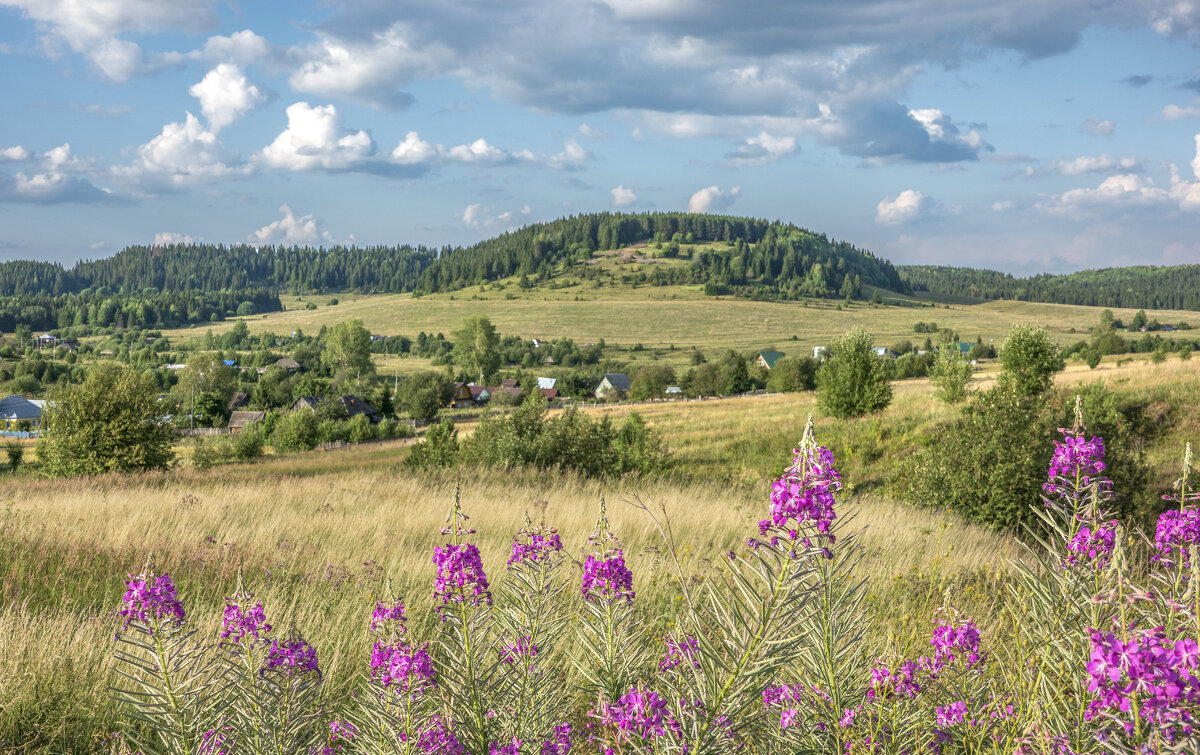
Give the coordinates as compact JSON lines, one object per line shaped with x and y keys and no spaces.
{"x":388,"y":615}
{"x":1176,"y":530}
{"x":408,"y":669}
{"x":680,"y":652}
{"x":213,"y":741}
{"x":148,"y":595}
{"x":292,"y":656}
{"x":949,"y":641}
{"x":238,"y":622}
{"x":1075,"y":457}
{"x":954,"y":713}
{"x":460,"y":576}
{"x":1093,"y":543}
{"x":803,"y":496}
{"x":522,"y":648}
{"x":342,"y":731}
{"x":439,"y":739}
{"x":1161,"y":672}
{"x":606,"y":577}
{"x":534,"y":544}
{"x":560,"y":742}
{"x":638,"y":712}
{"x":512,"y":748}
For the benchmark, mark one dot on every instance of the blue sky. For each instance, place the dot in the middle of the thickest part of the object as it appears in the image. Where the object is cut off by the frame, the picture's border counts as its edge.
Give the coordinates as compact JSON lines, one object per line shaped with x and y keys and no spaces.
{"x":1024,"y":136}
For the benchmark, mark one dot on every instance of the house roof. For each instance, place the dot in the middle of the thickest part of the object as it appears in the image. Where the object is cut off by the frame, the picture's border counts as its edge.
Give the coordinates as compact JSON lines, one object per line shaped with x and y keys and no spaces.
{"x":355,"y":406}
{"x":674,"y":389}
{"x":288,"y":363}
{"x":229,"y":362}
{"x":770,"y":357}
{"x":306,"y":402}
{"x":238,"y":399}
{"x":545,"y":383}
{"x":241,"y":419}
{"x":509,"y":383}
{"x":16,"y":407}
{"x":478,"y":392}
{"x":512,"y":390}
{"x":549,"y":393}
{"x":618,"y":380}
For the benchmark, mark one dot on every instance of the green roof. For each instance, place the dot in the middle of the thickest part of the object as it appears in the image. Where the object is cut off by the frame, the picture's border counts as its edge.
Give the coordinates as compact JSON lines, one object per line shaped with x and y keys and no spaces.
{"x":770,"y":357}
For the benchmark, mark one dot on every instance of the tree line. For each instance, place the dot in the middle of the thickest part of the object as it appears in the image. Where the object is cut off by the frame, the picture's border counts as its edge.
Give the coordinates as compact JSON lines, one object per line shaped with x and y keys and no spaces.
{"x":1148,"y":287}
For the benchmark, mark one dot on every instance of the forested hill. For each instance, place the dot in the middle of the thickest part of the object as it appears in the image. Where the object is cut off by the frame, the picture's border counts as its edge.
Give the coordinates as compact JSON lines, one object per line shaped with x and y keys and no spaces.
{"x":1142,"y":287}
{"x":748,"y":257}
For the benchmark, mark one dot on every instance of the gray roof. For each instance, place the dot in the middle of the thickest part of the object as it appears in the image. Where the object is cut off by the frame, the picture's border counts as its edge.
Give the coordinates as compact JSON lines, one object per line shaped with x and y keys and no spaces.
{"x":16,"y":407}
{"x":544,"y":382}
{"x":241,"y":419}
{"x":618,"y":380}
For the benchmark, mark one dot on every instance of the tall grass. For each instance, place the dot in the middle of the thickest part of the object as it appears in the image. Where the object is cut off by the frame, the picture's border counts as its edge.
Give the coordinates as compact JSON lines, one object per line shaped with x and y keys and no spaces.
{"x":317,"y":551}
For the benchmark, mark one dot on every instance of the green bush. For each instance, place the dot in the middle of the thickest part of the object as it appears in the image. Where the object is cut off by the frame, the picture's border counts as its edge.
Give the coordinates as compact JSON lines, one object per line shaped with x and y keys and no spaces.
{"x":439,"y":449}
{"x":295,"y":431}
{"x":15,"y":452}
{"x":1029,"y":359}
{"x":852,"y":380}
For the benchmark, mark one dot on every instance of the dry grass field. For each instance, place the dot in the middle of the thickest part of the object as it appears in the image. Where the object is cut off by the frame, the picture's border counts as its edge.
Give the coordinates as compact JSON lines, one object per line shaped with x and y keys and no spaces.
{"x":681,"y":316}
{"x":316,"y":548}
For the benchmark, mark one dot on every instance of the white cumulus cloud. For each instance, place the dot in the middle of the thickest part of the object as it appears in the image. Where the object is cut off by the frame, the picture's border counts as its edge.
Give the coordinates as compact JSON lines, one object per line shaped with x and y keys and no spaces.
{"x":906,"y":207}
{"x":14,"y":154}
{"x":182,"y":154}
{"x":1097,"y":127}
{"x":315,"y":139}
{"x":1178,"y":113}
{"x":225,"y":95}
{"x":290,"y":229}
{"x":370,"y":72}
{"x":713,"y":199}
{"x":623,"y":197}
{"x":761,"y":149}
{"x":168,"y":238}
{"x":1098,"y":164}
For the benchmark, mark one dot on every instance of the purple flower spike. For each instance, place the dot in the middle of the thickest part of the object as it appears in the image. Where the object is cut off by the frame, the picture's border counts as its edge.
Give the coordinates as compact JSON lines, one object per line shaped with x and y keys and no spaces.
{"x":533,"y":546}
{"x":1176,"y":530}
{"x":803,"y":498}
{"x":606,"y":578}
{"x":292,"y":657}
{"x":148,"y":595}
{"x":638,"y":712}
{"x":387,"y":616}
{"x":1076,"y":455}
{"x":460,"y":576}
{"x":438,"y":739}
{"x":408,"y":669}
{"x":512,"y":748}
{"x":560,"y":742}
{"x":1093,"y":544}
{"x":238,"y":622}
{"x":680,"y":652}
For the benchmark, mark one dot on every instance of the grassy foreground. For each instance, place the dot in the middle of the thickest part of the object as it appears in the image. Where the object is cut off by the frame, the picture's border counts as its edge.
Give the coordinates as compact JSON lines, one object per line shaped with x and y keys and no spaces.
{"x":317,"y":550}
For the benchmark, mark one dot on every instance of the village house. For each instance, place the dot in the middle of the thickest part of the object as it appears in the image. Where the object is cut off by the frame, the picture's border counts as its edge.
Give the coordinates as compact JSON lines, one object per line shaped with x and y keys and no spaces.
{"x":289,"y":364}
{"x":239,"y":420}
{"x":480,"y":394}
{"x":613,"y":383}
{"x":884,"y":352}
{"x":238,"y":400}
{"x":353,"y":405}
{"x":18,"y":412}
{"x":767,"y":359}
{"x":45,"y":340}
{"x":462,"y":397}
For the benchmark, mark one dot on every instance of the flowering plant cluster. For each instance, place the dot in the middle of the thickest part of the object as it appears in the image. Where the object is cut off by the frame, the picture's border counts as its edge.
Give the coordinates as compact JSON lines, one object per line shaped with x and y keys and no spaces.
{"x":766,"y":653}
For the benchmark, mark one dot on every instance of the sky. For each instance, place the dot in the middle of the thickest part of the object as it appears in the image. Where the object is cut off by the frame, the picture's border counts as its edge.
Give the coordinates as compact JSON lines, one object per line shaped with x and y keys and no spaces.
{"x":1026,"y":136}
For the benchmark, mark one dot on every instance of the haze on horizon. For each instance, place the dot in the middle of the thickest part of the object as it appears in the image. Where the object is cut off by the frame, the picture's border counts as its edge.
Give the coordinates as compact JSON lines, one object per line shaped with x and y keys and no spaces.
{"x":1024,"y":136}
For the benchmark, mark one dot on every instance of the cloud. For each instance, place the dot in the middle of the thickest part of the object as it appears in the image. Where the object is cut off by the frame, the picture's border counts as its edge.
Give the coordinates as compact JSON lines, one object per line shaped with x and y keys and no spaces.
{"x":168,"y":238}
{"x":1177,"y":113}
{"x":182,"y":154}
{"x":1097,"y":127}
{"x":1099,"y":164}
{"x":242,"y":48}
{"x":906,"y":207}
{"x":15,"y":154}
{"x":370,"y":71}
{"x":571,"y":157}
{"x":1115,"y":193}
{"x":51,"y":187}
{"x":290,"y":230}
{"x":225,"y":95}
{"x":479,"y":218}
{"x":761,"y":149}
{"x":478,"y":152}
{"x":623,"y":197}
{"x":1138,"y":80}
{"x":93,"y":29}
{"x":713,"y":199}
{"x":315,"y":139}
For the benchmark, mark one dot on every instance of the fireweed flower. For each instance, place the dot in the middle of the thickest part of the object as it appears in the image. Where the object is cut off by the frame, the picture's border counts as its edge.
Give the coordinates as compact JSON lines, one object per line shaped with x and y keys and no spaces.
{"x":605,"y":578}
{"x":439,"y":739}
{"x":460,"y":576}
{"x":522,"y":648}
{"x":1175,"y":531}
{"x":560,"y":741}
{"x":148,"y":595}
{"x":680,"y":652}
{"x":213,"y":741}
{"x":1161,"y":672}
{"x":638,"y":712}
{"x":952,"y":642}
{"x":239,"y":621}
{"x":532,"y":544}
{"x":1092,"y":544}
{"x":1073,"y":456}
{"x":954,"y":713}
{"x":408,"y":669}
{"x":291,"y":657}
{"x":512,"y":748}
{"x":389,"y":616}
{"x":803,"y":496}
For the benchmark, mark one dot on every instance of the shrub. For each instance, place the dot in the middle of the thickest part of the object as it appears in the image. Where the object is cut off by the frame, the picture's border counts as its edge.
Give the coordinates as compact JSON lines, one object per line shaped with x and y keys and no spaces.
{"x":853,"y":380}
{"x":1029,"y":360}
{"x":439,"y":449}
{"x":295,"y":431}
{"x":15,"y":452}
{"x":791,"y":374}
{"x":951,"y":374}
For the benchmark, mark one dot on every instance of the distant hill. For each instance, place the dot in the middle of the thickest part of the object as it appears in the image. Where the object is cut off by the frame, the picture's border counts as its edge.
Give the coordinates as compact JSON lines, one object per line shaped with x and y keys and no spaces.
{"x":748,"y":257}
{"x":1142,"y":287}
